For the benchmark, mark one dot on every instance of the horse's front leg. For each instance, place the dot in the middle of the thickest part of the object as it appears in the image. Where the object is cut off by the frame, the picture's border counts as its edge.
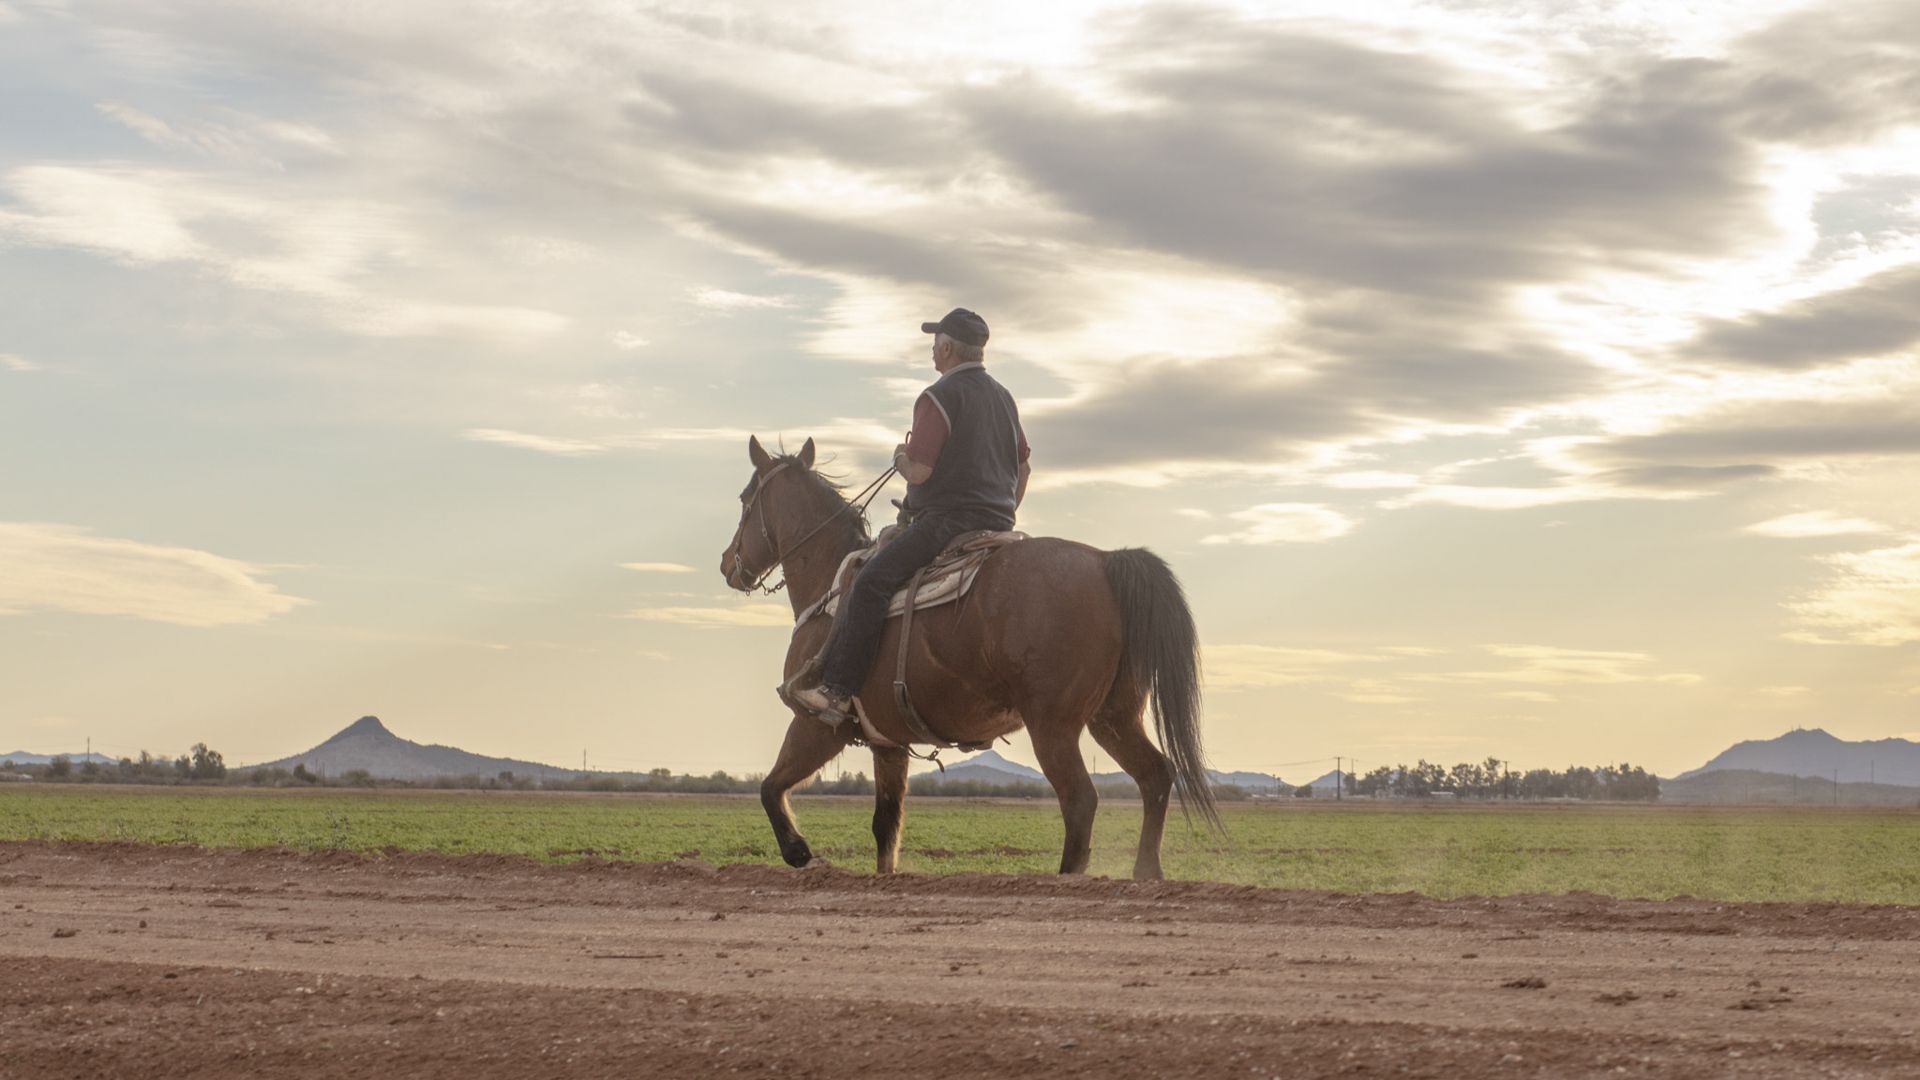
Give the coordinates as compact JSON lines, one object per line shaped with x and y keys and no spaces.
{"x":889,"y":805}
{"x":810,"y":744}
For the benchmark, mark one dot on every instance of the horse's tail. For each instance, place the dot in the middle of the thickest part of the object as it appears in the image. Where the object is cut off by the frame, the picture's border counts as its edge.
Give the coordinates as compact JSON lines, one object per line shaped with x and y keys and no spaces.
{"x":1161,"y":654}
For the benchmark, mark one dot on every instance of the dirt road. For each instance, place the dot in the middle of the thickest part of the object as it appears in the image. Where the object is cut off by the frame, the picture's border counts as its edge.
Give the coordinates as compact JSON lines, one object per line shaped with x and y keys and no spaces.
{"x":124,"y":961}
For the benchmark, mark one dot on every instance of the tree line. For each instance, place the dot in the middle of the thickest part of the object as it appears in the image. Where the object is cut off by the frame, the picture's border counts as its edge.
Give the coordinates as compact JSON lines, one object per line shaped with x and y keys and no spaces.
{"x":1491,"y":779}
{"x":197,"y":764}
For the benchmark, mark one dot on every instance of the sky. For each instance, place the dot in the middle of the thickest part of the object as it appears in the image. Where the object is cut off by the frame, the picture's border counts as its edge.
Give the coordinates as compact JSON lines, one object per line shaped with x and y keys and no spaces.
{"x":1529,"y":380}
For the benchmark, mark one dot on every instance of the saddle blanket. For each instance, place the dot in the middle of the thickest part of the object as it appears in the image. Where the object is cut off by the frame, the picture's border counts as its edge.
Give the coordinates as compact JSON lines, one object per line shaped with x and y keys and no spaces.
{"x":947,"y":577}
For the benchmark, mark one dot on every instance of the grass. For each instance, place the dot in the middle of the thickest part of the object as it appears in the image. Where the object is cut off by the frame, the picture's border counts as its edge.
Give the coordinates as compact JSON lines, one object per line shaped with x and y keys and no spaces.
{"x":1730,"y":853}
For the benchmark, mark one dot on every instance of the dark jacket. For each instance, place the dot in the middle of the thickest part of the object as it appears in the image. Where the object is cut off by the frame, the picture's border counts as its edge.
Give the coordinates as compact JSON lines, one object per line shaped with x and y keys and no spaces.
{"x":979,"y":467}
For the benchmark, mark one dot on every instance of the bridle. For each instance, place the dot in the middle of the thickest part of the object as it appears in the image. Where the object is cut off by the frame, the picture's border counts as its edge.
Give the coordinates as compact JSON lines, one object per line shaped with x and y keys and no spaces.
{"x":859,"y":502}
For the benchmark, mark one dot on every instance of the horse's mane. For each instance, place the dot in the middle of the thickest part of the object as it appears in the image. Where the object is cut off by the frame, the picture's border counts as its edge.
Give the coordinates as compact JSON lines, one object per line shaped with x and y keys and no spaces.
{"x":831,"y":485}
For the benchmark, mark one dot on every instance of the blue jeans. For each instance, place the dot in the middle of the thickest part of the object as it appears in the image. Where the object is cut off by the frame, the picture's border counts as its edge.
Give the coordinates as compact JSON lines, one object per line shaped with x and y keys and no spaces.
{"x":862,"y":618}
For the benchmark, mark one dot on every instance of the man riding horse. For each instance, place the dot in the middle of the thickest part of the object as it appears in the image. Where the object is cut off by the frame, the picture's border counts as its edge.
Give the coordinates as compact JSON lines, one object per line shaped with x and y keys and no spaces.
{"x":1055,"y":637}
{"x":965,"y":462}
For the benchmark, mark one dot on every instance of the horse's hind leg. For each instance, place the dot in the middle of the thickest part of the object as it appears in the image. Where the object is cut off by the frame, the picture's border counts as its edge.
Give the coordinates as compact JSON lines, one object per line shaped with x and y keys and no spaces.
{"x":1120,"y":729}
{"x":810,"y":744}
{"x":889,"y":805}
{"x":1058,"y":749}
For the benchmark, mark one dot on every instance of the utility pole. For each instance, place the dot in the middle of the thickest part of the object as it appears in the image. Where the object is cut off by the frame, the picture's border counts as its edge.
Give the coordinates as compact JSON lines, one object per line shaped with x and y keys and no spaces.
{"x":1337,"y":760}
{"x":1836,"y":787}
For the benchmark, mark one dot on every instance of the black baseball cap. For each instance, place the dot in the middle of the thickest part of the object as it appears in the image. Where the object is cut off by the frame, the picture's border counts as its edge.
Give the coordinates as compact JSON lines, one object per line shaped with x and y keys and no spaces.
{"x":961,"y":325}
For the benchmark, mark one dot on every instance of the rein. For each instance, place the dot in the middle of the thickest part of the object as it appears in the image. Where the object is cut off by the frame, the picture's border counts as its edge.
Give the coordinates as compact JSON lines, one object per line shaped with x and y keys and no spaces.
{"x":860,"y":502}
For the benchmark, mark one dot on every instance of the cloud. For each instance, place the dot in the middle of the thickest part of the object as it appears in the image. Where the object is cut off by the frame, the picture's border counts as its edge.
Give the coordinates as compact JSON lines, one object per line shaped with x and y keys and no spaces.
{"x":1874,"y":414}
{"x":317,"y":249}
{"x":657,"y":567}
{"x":1877,"y":316}
{"x":628,"y":341}
{"x":726,"y":300}
{"x":1813,"y":523}
{"x":546,"y":444}
{"x":1285,"y":523}
{"x":1539,"y":696}
{"x":711,"y":618}
{"x":1251,"y":667}
{"x":21,"y":364}
{"x":1868,"y":598}
{"x":50,"y":567}
{"x":1784,"y":691}
{"x":1551,"y":665}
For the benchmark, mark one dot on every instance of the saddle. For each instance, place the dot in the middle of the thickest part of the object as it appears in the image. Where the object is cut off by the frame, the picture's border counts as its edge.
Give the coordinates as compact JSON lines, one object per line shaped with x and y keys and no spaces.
{"x":944,"y":580}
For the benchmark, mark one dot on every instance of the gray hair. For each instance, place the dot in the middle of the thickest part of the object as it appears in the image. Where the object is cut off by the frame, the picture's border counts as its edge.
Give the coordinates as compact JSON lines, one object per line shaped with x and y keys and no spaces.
{"x":965,"y":353}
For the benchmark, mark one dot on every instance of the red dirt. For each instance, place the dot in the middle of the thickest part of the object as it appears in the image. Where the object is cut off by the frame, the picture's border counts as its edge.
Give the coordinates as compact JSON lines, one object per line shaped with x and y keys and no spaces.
{"x":124,"y":960}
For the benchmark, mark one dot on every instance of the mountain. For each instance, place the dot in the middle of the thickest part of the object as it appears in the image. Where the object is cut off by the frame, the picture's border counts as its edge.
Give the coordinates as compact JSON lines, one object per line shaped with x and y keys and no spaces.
{"x":367,"y":744}
{"x":1745,"y":786}
{"x":988,"y":767}
{"x":21,"y":757}
{"x":1326,"y":784}
{"x":1811,"y":752}
{"x":1252,"y":781}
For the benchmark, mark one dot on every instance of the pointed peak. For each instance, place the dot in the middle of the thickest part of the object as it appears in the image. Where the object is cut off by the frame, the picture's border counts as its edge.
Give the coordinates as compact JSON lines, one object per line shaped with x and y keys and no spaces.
{"x":366,"y":725}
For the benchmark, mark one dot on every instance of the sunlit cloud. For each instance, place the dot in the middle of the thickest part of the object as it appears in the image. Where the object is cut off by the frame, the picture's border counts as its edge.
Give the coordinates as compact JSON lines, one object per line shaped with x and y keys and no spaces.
{"x":11,"y":362}
{"x":1869,"y":598}
{"x":727,"y":300}
{"x":628,"y":341}
{"x":714,"y":618}
{"x":1548,"y":664}
{"x":657,"y":567}
{"x":65,"y":568}
{"x":1252,"y":667}
{"x":316,"y":249}
{"x":1537,"y":696}
{"x":1285,"y":523}
{"x":1813,"y":523}
{"x":545,"y":444}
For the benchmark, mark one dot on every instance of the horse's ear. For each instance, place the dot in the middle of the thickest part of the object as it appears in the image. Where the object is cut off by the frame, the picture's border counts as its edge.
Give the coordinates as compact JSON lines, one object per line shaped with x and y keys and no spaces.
{"x":760,"y":458}
{"x":806,"y":455}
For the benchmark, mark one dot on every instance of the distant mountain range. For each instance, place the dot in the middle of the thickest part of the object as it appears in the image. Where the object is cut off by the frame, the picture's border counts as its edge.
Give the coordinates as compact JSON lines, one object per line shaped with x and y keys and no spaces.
{"x":367,"y":744}
{"x":1760,"y":770}
{"x":989,"y":767}
{"x":1811,"y":752}
{"x":1746,"y":786}
{"x":21,"y":757}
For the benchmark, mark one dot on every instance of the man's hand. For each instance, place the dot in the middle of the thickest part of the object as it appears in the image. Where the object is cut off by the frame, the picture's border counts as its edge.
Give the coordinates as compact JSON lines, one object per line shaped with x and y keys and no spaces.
{"x":915,"y":472}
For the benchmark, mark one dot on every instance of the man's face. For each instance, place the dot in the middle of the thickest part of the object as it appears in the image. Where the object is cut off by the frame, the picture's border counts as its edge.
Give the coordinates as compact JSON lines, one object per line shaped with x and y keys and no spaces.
{"x":940,"y":348}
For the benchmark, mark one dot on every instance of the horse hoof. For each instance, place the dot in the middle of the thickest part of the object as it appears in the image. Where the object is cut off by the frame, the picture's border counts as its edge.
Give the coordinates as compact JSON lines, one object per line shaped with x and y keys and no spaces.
{"x":816,"y":863}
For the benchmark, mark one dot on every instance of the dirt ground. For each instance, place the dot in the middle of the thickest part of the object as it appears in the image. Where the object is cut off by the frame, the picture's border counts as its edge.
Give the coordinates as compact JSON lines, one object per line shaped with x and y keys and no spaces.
{"x":130,"y":961}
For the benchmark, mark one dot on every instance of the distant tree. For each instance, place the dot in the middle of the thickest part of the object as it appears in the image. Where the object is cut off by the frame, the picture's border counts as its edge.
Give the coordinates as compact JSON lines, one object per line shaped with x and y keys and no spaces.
{"x":89,"y":768}
{"x":357,"y":778}
{"x":1304,"y":791}
{"x":60,"y":767}
{"x":301,"y":774}
{"x":205,"y":764}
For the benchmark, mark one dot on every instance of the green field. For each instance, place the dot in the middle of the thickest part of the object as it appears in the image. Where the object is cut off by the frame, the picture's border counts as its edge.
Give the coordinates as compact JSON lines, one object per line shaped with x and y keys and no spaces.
{"x":1475,"y":849}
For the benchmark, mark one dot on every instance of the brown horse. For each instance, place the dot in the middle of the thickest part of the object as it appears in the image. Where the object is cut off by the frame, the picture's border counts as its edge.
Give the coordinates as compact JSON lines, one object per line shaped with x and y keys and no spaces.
{"x":1056,"y":637}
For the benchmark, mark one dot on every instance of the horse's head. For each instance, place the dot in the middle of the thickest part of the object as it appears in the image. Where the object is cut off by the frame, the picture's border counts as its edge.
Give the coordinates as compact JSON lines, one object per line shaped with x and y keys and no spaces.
{"x":755,"y":548}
